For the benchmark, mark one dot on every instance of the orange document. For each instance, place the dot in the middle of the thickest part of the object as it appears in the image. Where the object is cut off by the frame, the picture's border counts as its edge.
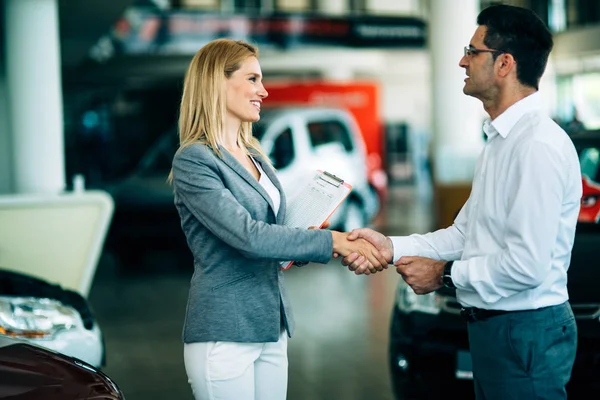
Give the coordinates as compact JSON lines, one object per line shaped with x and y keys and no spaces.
{"x":315,"y":203}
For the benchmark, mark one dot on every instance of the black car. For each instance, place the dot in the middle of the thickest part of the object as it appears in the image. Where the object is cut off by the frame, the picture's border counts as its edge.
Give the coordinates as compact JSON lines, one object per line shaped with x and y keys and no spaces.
{"x":429,"y":350}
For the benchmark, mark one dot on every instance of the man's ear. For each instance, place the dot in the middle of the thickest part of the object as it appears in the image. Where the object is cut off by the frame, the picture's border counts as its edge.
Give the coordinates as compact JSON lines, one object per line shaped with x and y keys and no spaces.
{"x":505,"y":64}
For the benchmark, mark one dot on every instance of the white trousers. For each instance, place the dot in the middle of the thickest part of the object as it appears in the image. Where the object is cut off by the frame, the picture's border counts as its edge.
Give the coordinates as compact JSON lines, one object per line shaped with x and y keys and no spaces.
{"x":237,"y":371}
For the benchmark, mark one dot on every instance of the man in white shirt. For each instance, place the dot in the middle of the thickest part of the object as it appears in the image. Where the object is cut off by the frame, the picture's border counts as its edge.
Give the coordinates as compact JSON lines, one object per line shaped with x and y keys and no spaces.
{"x":508,"y":251}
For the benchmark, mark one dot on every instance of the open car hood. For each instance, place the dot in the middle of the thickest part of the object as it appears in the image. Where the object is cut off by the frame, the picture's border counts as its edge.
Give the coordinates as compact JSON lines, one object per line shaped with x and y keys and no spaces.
{"x":57,"y":238}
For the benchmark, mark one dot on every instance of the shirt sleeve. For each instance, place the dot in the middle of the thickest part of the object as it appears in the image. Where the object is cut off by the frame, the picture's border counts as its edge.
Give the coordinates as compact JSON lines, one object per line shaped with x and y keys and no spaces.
{"x":533,"y":217}
{"x":443,"y":244}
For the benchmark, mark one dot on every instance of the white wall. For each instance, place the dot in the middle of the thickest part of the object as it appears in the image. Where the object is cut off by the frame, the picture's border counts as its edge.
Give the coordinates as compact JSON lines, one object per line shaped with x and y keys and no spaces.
{"x":396,"y":7}
{"x":405,"y":88}
{"x":333,"y":7}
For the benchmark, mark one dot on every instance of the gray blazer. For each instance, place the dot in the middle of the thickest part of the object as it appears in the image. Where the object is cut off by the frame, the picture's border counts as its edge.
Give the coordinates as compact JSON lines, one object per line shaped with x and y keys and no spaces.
{"x":236,"y":292}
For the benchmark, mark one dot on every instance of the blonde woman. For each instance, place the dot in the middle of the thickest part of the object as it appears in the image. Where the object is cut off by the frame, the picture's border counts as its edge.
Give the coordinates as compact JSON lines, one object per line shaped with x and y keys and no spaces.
{"x":231,"y":205}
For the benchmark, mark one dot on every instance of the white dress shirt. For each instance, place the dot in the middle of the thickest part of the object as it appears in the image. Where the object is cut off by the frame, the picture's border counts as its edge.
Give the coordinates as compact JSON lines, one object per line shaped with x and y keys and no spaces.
{"x":513,"y":237}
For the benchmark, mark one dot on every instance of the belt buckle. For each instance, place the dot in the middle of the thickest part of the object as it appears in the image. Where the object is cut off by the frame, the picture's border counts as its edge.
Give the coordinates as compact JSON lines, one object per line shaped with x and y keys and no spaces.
{"x":468,"y":314}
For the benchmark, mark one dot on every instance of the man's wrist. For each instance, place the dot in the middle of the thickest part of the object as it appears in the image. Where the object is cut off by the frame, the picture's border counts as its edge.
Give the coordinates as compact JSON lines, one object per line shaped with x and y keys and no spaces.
{"x":390,"y":246}
{"x":447,"y":275}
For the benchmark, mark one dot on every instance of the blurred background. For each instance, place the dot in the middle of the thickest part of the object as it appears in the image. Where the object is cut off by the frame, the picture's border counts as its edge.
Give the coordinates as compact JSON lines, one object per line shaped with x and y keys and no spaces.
{"x":367,"y":89}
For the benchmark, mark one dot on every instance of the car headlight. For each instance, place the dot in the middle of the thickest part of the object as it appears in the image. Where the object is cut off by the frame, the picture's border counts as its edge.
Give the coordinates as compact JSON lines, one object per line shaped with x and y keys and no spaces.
{"x":589,"y":201}
{"x":408,"y":301}
{"x":35,"y":318}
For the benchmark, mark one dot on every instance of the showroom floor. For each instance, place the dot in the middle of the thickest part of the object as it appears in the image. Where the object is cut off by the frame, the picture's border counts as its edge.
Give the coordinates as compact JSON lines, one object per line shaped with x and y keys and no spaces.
{"x":339,"y":350}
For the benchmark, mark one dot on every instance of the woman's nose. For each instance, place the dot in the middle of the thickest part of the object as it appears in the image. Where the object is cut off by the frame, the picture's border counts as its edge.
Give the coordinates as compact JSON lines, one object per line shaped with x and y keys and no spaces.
{"x":263,"y":92}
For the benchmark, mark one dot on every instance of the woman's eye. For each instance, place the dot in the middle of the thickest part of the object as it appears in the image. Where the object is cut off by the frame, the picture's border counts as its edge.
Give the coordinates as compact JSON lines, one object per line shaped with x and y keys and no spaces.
{"x":253,"y":79}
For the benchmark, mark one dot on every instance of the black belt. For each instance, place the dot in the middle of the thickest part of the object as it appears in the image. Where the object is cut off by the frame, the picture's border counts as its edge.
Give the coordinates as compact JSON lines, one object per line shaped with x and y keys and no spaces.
{"x":472,"y":314}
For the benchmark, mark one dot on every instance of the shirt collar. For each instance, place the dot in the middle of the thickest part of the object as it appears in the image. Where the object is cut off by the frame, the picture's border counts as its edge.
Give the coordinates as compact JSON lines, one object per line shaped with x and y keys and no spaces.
{"x":504,"y":123}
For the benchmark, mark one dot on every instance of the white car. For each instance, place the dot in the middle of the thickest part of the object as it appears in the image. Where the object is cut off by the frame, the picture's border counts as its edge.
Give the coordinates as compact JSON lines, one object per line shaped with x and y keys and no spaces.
{"x":300,"y":140}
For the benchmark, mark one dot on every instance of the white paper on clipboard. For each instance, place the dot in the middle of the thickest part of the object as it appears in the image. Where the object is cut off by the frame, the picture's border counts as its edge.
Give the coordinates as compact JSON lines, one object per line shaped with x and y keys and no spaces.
{"x":315,"y":203}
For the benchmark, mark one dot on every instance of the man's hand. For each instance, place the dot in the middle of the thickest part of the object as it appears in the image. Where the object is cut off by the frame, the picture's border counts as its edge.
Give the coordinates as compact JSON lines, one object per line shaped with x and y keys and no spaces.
{"x":382,"y":243}
{"x":369,"y":259}
{"x":423,"y":275}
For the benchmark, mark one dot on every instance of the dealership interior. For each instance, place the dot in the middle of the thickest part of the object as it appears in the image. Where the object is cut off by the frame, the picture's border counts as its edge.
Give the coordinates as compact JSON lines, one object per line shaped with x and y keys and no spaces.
{"x":89,"y":101}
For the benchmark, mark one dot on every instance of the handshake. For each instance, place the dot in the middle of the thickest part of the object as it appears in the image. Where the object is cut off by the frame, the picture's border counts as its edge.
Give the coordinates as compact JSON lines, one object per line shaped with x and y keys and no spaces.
{"x":366,"y":251}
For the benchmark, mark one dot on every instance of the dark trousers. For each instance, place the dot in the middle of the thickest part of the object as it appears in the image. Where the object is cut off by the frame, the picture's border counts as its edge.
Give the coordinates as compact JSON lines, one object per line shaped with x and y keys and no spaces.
{"x":524,"y":355}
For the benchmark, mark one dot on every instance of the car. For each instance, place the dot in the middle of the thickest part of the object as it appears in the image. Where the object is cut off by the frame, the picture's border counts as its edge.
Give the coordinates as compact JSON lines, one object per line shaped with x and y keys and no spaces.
{"x":429,"y":348}
{"x":51,"y":244}
{"x":32,"y":372}
{"x":588,"y":145}
{"x":590,"y":203}
{"x":298,"y":141}
{"x":47,"y":315}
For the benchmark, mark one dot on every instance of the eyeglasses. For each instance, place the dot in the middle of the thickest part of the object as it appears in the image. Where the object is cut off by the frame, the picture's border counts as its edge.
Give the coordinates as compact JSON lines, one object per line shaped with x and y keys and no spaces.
{"x":472,"y":51}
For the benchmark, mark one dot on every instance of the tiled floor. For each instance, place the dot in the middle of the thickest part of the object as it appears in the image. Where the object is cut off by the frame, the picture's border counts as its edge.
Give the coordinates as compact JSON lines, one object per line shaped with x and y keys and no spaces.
{"x":339,"y":350}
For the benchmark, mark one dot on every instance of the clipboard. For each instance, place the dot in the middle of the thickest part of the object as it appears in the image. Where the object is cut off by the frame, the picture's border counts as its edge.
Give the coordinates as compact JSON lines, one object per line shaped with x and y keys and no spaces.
{"x":315,"y":203}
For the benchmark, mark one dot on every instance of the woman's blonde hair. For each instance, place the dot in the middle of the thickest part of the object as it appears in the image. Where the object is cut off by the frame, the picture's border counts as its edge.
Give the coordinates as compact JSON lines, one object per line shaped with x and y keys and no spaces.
{"x":202,"y":109}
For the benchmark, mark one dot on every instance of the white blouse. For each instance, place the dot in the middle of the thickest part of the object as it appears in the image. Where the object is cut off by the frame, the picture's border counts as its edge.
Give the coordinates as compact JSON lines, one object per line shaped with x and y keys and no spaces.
{"x":269,"y":187}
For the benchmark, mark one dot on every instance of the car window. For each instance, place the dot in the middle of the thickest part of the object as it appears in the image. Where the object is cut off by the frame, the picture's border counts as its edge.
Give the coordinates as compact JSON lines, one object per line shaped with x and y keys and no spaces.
{"x":282,"y":154}
{"x":589,"y":158}
{"x":325,"y":132}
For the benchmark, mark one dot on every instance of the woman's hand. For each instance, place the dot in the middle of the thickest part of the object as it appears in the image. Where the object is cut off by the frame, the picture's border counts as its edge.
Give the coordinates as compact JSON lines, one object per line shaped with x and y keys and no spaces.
{"x":370,"y":260}
{"x":324,"y":225}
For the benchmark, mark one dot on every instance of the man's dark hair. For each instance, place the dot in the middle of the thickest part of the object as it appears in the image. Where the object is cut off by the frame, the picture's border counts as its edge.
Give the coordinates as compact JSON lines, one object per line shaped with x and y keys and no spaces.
{"x":520,"y":32}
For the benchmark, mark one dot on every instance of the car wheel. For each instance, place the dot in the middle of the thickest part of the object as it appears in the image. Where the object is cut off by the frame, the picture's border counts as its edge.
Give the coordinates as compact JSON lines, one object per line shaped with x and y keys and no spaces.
{"x":354,"y":217}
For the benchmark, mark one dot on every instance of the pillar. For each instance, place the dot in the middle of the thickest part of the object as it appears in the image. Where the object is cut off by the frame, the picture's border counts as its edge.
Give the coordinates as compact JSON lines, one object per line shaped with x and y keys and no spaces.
{"x":457,"y":119}
{"x":33,"y":77}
